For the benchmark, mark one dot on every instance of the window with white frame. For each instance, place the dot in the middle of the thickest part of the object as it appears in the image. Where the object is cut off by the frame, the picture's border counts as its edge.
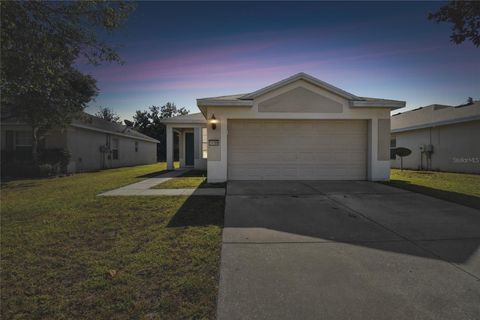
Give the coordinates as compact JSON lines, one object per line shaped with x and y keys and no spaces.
{"x":204,"y":143}
{"x":115,"y":149}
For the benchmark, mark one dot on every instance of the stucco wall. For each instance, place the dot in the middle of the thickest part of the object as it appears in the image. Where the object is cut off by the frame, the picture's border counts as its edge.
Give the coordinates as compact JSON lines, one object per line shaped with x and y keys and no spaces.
{"x":199,"y":162}
{"x":84,"y":146}
{"x":217,"y":159}
{"x":456,"y":148}
{"x":53,"y":138}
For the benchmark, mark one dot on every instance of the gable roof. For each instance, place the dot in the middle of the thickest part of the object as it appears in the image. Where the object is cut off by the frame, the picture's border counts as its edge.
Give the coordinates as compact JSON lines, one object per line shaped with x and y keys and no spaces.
{"x":246,"y":100}
{"x":434,"y":115}
{"x":300,"y":76}
{"x":188,"y":118}
{"x":88,"y":121}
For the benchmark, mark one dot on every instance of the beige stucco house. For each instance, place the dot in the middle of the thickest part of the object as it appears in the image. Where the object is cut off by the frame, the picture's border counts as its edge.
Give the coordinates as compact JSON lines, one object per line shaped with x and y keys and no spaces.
{"x":93,"y":143}
{"x":296,"y":129}
{"x":441,"y":137}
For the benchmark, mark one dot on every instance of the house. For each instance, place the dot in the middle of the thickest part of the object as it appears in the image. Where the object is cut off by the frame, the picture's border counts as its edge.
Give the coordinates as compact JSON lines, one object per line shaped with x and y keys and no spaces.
{"x":93,"y":143}
{"x":296,"y":129}
{"x":441,"y":137}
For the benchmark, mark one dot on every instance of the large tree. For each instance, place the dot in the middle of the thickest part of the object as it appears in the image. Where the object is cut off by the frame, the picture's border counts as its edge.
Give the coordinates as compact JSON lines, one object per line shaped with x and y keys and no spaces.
{"x":41,"y":42}
{"x":108,"y":114}
{"x":148,"y":122}
{"x":465,"y":19}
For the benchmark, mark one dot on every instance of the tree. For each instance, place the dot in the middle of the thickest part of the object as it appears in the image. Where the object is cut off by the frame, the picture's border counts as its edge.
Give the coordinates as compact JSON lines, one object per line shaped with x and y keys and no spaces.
{"x":465,"y":17}
{"x":108,"y":114}
{"x":40,"y":43}
{"x":148,"y":123}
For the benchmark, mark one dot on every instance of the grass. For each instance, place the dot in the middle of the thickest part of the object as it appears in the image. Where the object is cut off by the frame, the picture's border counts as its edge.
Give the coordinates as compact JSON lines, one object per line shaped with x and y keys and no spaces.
{"x":455,"y":187}
{"x":68,"y":254}
{"x":192,"y":179}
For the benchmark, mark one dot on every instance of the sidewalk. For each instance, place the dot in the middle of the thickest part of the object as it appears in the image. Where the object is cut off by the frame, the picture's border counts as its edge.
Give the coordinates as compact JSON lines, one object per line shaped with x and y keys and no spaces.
{"x":142,"y":188}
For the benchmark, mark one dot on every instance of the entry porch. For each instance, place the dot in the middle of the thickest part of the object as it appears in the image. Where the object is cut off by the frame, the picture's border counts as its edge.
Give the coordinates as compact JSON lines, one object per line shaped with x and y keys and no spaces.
{"x":192,"y":141}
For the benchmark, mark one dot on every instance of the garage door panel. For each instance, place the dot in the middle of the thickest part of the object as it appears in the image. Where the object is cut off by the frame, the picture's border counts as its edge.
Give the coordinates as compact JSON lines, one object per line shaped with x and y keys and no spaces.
{"x":346,"y":158}
{"x":297,"y":149}
{"x":268,"y":158}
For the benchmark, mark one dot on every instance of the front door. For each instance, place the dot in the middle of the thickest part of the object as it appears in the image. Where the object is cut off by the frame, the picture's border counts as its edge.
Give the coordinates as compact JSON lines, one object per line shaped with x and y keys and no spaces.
{"x":189,"y":149}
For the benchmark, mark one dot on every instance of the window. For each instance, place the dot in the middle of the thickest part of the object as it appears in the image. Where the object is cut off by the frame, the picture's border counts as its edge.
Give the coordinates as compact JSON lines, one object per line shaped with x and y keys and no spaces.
{"x":23,"y":139}
{"x":23,"y":144}
{"x":393,"y":145}
{"x":115,"y":149}
{"x":204,"y":143}
{"x":136,"y":146}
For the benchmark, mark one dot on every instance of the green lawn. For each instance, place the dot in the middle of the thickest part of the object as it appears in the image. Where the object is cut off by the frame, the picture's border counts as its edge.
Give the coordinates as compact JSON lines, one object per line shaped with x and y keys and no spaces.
{"x":189,"y":180}
{"x":456,"y":187}
{"x":68,"y":254}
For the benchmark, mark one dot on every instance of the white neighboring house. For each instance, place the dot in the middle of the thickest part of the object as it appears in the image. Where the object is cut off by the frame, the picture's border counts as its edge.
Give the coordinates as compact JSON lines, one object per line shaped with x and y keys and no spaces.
{"x":94,"y":143}
{"x":441,"y":137}
{"x":296,"y":129}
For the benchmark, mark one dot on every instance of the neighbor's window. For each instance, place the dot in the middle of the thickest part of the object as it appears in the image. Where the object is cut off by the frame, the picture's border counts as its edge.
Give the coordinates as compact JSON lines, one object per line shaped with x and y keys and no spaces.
{"x":23,"y":139}
{"x":22,"y":144}
{"x":136,"y":146}
{"x":393,"y":145}
{"x":204,"y":143}
{"x":115,"y":149}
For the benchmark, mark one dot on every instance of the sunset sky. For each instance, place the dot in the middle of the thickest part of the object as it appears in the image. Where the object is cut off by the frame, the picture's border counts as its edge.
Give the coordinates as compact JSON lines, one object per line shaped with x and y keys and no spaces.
{"x":183,"y":51}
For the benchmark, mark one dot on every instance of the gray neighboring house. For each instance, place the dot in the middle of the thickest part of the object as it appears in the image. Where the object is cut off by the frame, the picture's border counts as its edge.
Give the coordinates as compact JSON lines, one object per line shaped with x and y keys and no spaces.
{"x":441,"y":137}
{"x":94,"y":143}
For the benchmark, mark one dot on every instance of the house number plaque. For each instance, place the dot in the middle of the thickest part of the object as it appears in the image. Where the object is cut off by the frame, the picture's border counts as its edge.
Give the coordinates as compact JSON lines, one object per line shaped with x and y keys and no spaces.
{"x":213,"y":143}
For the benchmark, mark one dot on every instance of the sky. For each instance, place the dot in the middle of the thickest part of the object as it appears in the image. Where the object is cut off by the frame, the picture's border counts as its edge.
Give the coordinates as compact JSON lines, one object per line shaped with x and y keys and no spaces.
{"x":181,"y":51}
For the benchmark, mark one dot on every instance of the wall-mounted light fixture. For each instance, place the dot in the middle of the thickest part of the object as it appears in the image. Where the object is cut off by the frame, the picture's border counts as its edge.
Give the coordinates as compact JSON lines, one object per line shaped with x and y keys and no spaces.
{"x":213,"y":121}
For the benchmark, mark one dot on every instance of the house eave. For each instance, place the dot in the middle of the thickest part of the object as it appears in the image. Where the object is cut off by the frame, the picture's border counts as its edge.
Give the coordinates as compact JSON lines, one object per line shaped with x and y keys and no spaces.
{"x":203,"y":104}
{"x":172,"y":121}
{"x":223,"y":103}
{"x":378,"y":104}
{"x":76,"y":125}
{"x":436,"y":124}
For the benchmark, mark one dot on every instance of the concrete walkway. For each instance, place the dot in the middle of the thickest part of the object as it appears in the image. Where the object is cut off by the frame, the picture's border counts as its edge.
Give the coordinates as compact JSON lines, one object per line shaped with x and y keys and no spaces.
{"x":346,"y":250}
{"x":143,"y":188}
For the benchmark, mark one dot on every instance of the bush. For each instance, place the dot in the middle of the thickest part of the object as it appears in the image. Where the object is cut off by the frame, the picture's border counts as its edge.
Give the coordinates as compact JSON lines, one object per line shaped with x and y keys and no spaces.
{"x":58,"y":158}
{"x":45,"y":170}
{"x":51,"y":162}
{"x":28,"y":170}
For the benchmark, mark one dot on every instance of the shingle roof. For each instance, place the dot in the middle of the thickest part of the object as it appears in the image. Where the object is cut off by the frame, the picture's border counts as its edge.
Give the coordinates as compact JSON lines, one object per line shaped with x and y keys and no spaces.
{"x":190,"y":118}
{"x":229,"y":97}
{"x":89,"y":121}
{"x":434,"y":115}
{"x":246,"y":99}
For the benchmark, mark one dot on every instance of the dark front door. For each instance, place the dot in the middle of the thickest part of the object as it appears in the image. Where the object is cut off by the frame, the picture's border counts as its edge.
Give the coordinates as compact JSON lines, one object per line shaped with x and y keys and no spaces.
{"x":189,"y":149}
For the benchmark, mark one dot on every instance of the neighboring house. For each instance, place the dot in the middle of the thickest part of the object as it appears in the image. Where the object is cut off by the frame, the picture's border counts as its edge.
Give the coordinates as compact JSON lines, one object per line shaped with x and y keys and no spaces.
{"x":92,"y":142}
{"x":441,"y":137}
{"x":296,"y":129}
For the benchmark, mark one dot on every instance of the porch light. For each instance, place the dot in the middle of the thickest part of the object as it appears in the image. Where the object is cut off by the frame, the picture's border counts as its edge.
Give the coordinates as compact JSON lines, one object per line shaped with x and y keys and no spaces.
{"x":213,"y":121}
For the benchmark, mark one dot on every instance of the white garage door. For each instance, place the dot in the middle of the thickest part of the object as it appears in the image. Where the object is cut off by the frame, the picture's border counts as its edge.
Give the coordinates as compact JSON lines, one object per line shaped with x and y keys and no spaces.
{"x":297,"y":149}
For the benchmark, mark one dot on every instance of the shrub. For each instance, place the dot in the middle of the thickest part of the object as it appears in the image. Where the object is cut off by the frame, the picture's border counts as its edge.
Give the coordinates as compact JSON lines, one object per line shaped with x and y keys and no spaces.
{"x":45,"y":170}
{"x":57,"y":157}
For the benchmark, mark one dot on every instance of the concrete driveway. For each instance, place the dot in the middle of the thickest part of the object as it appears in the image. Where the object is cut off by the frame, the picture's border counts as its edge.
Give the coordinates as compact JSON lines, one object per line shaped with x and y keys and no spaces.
{"x":346,"y":250}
